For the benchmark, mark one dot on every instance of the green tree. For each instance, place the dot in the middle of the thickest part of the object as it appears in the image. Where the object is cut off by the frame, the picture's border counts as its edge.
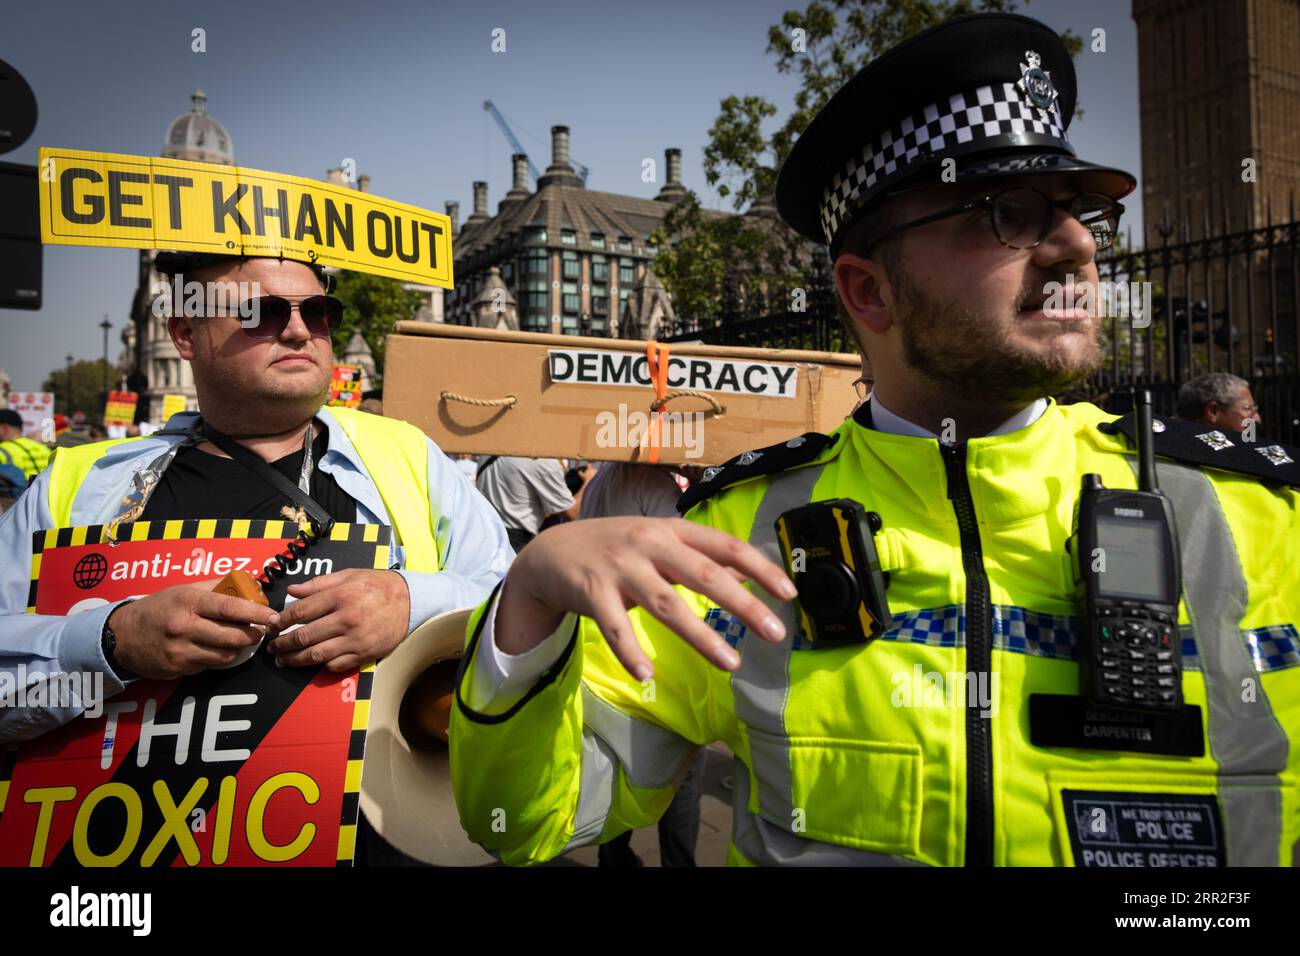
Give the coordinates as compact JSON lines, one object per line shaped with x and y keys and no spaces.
{"x":838,"y":38}
{"x":372,"y":304}
{"x":87,"y":392}
{"x":696,"y":251}
{"x":745,"y":151}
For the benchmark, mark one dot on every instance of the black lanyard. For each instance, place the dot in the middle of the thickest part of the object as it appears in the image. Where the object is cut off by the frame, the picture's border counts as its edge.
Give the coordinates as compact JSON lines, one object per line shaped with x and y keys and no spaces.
{"x":320,"y":518}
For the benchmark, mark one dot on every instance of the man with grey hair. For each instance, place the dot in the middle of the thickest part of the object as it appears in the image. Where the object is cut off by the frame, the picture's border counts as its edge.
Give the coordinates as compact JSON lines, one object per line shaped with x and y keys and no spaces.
{"x":1219,"y":399}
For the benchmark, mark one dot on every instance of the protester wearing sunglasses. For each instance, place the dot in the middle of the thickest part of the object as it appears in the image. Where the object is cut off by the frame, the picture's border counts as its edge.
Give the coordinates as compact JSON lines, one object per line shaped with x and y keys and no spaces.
{"x":265,"y":316}
{"x":262,"y":359}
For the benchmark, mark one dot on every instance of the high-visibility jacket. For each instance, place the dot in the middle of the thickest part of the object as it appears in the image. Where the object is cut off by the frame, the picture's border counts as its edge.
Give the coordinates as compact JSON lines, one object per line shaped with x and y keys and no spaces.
{"x":25,"y":453}
{"x":448,"y":543}
{"x":402,"y":481}
{"x":893,"y":751}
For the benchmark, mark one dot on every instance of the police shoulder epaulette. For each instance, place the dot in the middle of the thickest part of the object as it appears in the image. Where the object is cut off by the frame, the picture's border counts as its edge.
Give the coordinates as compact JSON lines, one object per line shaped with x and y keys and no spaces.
{"x":782,"y":456}
{"x":1213,"y":447}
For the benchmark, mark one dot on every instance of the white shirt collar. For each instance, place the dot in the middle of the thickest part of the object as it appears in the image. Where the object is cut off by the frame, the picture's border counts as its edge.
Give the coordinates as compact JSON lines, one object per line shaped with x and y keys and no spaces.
{"x":883,"y":420}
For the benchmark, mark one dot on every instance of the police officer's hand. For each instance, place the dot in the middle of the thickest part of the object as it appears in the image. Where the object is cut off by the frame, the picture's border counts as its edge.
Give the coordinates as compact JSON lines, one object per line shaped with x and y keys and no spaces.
{"x":349,"y":618}
{"x":600,"y":567}
{"x":185,"y":629}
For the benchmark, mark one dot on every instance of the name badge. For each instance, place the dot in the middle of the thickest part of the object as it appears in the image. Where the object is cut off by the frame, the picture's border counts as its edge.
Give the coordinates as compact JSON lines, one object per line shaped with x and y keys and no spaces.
{"x":1060,"y":720}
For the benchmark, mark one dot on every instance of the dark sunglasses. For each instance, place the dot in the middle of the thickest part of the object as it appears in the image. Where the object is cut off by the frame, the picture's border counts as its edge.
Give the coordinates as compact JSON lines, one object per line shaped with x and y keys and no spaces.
{"x":1022,"y":217}
{"x":267,"y":316}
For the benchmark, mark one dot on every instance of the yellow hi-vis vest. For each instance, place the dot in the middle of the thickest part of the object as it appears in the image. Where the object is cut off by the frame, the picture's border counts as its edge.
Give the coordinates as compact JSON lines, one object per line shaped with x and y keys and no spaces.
{"x":25,"y":453}
{"x":916,"y":746}
{"x":395,"y":453}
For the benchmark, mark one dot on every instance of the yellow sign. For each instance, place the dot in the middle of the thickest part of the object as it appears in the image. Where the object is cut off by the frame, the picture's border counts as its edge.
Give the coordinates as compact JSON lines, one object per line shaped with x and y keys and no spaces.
{"x":147,"y":202}
{"x":171,"y":405}
{"x":120,"y":408}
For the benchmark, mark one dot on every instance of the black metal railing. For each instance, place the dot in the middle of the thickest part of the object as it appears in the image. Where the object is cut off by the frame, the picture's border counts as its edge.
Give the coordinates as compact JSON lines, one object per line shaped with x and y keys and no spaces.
{"x":744,"y":317}
{"x":1225,"y":302}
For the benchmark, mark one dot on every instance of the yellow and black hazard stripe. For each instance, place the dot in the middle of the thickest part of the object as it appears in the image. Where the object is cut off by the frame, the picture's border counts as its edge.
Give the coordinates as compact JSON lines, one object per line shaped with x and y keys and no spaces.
{"x":356,"y":756}
{"x":196,"y":528}
{"x":58,"y":538}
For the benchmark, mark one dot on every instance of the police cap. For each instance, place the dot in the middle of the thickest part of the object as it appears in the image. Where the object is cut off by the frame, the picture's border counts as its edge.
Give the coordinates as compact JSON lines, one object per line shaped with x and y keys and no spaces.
{"x":993,"y":92}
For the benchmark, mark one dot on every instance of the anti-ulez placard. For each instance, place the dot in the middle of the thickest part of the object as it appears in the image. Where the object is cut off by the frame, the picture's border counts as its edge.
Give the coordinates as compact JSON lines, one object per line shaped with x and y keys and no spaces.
{"x":252,"y":765}
{"x":150,"y":202}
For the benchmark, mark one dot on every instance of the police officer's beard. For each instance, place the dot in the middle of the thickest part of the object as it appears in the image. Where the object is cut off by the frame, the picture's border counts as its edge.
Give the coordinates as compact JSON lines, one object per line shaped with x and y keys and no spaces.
{"x":962,"y":348}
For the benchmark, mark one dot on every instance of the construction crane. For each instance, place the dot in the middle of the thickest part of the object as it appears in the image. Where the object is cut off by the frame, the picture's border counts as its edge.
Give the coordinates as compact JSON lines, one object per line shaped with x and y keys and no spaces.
{"x":514,"y":141}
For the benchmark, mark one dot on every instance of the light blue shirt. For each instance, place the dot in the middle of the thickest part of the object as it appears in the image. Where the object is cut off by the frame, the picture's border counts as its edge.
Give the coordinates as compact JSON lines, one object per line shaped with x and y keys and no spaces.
{"x":472,"y":546}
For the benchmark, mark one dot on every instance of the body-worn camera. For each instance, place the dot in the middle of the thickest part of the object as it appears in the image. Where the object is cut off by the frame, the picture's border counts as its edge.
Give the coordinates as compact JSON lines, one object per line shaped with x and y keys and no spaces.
{"x":830,"y":554}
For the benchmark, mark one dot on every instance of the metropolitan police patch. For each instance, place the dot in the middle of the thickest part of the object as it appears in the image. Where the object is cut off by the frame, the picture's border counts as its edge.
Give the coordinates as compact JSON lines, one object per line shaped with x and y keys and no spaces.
{"x":1121,"y":829}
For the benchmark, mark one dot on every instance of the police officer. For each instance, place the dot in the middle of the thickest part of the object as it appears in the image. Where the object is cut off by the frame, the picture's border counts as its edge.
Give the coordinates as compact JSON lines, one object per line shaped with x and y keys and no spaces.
{"x":955,"y":209}
{"x":25,"y":453}
{"x":262,"y":376}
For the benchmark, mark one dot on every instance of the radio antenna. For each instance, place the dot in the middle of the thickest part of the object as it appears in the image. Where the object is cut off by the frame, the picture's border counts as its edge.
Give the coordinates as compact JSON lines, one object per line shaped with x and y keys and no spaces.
{"x":1146,"y":454}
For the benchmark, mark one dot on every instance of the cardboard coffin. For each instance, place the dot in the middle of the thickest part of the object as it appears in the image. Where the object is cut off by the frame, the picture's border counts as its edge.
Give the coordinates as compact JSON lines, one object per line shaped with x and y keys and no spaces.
{"x":491,"y":392}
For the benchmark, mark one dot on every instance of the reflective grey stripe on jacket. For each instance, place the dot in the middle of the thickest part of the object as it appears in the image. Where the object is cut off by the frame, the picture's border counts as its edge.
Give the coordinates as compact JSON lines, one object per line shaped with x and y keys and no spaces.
{"x":761,"y":684}
{"x":651,"y":757}
{"x":761,"y":687}
{"x":1244,"y":734}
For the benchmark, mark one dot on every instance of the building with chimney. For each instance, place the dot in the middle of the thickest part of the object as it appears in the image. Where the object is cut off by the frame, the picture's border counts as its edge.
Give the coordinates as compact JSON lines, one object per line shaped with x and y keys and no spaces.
{"x":572,"y":260}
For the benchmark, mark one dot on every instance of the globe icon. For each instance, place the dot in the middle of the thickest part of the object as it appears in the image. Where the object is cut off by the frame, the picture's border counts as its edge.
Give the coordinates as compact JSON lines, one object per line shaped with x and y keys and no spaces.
{"x":90,"y":571}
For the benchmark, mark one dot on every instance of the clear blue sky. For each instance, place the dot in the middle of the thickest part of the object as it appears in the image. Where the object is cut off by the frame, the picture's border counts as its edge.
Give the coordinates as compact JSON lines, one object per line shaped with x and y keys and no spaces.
{"x":399,"y":87}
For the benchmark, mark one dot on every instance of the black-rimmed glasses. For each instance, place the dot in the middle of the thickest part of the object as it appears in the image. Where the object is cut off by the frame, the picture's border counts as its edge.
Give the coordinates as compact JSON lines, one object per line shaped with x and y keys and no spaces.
{"x":1022,"y":216}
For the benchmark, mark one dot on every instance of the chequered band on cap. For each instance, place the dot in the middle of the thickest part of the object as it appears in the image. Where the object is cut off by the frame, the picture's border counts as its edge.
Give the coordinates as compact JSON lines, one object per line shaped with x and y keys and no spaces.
{"x":984,"y":113}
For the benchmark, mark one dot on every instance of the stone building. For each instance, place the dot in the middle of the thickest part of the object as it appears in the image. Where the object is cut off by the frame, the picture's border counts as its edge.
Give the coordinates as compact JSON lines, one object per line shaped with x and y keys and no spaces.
{"x":648,"y":311}
{"x":1219,"y":102}
{"x":154,"y":366}
{"x":571,"y":260}
{"x":358,"y":353}
{"x":1219,"y":94}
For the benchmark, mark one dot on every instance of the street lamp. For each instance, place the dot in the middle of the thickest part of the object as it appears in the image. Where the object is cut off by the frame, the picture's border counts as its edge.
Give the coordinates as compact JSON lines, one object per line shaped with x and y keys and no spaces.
{"x":68,"y":379}
{"x":106,"y":325}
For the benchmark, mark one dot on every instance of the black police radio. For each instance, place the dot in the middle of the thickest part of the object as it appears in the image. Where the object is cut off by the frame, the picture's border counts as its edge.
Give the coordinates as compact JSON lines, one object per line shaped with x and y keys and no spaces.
{"x":830,"y":552}
{"x":1127,"y":550}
